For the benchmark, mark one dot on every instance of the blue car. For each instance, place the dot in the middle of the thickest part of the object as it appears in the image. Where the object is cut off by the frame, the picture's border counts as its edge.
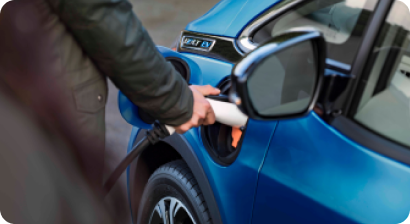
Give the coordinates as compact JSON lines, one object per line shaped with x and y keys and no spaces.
{"x":326,"y":86}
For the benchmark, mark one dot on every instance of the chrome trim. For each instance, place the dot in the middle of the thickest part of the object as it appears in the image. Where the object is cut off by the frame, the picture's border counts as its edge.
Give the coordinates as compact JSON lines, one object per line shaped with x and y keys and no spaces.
{"x":215,"y":51}
{"x":338,"y":64}
{"x":197,"y":34}
{"x":244,"y":41}
{"x":237,"y":48}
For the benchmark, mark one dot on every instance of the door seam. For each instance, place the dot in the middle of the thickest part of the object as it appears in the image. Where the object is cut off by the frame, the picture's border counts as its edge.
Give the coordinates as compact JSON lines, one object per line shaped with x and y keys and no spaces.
{"x":260,"y":168}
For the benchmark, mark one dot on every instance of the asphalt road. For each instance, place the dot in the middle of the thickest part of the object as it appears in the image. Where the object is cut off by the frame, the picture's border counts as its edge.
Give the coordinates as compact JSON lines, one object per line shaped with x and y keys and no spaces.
{"x":164,"y":20}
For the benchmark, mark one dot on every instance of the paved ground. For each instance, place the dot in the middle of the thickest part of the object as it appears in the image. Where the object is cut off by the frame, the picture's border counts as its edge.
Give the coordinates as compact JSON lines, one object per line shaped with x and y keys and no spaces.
{"x":164,"y":20}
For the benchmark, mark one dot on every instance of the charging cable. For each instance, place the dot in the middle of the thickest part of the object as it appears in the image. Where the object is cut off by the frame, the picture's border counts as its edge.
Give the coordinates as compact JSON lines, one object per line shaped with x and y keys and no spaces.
{"x":158,"y":132}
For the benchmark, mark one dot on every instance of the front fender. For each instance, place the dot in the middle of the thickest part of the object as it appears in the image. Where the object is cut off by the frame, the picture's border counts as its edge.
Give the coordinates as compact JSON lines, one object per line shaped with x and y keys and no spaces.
{"x":181,"y":145}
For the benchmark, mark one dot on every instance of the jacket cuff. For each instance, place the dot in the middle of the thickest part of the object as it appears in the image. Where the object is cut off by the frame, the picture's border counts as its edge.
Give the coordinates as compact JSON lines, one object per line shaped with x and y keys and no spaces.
{"x":183,"y":110}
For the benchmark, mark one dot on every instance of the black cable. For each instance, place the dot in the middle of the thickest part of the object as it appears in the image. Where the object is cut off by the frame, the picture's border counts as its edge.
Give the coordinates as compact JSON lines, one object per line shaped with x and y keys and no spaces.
{"x":157,"y":133}
{"x":143,"y":144}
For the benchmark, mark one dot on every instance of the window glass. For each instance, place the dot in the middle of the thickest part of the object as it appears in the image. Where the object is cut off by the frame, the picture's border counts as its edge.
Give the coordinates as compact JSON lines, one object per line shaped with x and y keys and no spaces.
{"x":342,"y":23}
{"x":384,"y":102}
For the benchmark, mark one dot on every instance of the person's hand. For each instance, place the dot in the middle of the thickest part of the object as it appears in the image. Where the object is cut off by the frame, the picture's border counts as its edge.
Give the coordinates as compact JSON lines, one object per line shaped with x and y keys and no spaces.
{"x":203,"y":113}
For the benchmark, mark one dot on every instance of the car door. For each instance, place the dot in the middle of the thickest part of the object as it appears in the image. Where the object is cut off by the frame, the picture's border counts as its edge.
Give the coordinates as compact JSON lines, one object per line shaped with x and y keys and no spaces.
{"x":347,"y":162}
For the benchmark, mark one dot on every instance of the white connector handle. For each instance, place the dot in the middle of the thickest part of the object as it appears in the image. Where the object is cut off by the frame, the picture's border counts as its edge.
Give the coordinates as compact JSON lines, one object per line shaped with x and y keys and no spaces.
{"x":228,"y":114}
{"x":170,"y":129}
{"x":225,"y":113}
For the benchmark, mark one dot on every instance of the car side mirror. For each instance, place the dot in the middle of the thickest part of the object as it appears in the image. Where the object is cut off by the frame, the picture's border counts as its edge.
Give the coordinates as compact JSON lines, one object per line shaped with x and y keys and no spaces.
{"x":282,"y":78}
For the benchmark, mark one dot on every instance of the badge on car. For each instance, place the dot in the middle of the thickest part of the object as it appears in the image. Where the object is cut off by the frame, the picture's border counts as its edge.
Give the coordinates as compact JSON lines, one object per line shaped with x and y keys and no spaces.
{"x":197,"y":43}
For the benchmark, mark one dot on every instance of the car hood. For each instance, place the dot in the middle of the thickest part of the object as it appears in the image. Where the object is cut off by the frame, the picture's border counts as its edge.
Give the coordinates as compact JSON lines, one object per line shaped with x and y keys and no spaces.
{"x":229,"y":17}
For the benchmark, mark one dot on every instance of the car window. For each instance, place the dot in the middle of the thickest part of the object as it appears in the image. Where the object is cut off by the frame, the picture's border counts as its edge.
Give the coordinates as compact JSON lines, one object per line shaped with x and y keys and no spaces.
{"x":384,"y":101}
{"x":342,"y":23}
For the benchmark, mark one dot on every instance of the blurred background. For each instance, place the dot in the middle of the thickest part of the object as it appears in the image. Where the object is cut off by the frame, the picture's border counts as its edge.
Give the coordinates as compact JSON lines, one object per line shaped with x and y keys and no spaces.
{"x":164,"y":20}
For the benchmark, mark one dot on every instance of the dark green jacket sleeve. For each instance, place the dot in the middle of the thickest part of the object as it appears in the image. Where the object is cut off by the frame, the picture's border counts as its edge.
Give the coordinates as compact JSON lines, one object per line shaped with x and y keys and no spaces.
{"x":114,"y":38}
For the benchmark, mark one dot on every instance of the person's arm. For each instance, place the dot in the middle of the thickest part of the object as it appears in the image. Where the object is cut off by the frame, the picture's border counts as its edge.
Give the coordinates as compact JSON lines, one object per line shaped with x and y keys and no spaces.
{"x":114,"y":38}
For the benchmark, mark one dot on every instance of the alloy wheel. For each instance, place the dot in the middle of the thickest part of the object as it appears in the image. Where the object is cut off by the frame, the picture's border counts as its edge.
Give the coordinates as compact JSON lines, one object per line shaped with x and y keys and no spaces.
{"x":170,"y":210}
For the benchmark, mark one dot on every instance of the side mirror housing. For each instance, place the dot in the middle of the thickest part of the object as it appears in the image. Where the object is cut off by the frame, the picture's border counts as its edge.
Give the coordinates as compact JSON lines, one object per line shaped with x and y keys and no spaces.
{"x":282,"y":78}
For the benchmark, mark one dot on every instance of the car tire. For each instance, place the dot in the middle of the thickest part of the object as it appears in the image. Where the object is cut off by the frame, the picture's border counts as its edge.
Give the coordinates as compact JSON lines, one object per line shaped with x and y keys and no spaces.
{"x":172,"y":192}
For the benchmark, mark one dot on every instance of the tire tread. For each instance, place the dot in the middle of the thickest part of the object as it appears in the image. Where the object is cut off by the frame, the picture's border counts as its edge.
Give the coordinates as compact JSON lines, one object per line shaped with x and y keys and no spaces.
{"x":180,"y":170}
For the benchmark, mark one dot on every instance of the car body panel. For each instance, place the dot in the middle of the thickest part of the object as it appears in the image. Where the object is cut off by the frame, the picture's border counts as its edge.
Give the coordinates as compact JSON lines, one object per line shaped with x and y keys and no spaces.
{"x":234,"y":186}
{"x":213,"y":70}
{"x":229,"y":17}
{"x":321,"y":176}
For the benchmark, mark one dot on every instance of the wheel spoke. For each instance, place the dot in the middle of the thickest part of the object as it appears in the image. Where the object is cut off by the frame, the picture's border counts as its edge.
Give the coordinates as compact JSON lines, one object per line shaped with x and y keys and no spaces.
{"x":172,"y":204}
{"x":179,"y":205}
{"x":163,"y":210}
{"x":158,"y":210}
{"x":171,"y":211}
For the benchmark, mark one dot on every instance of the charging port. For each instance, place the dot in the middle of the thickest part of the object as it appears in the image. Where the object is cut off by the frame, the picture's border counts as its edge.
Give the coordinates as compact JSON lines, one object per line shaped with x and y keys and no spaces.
{"x":222,"y":142}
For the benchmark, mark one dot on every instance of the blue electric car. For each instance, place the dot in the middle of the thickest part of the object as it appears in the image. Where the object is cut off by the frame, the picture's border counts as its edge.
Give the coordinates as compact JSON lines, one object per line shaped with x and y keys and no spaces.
{"x":328,"y":138}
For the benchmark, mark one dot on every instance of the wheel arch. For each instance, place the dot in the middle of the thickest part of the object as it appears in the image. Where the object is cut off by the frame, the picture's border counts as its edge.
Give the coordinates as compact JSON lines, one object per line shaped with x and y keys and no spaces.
{"x":172,"y":148}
